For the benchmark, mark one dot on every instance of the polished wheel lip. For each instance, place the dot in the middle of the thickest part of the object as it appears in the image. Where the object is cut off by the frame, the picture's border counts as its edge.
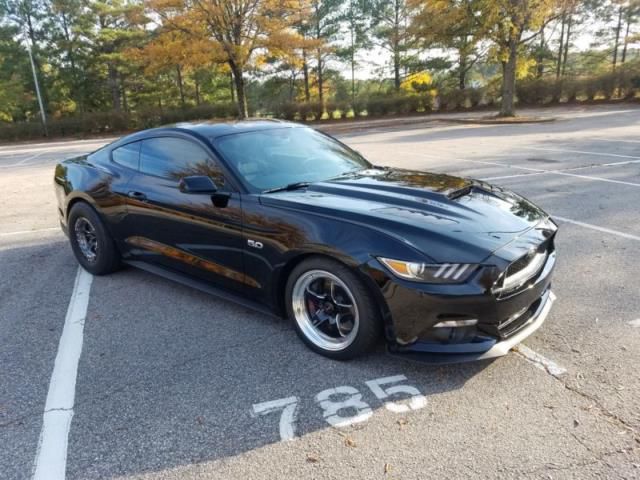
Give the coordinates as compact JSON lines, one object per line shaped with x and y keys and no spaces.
{"x":86,"y":239}
{"x":303,"y":317}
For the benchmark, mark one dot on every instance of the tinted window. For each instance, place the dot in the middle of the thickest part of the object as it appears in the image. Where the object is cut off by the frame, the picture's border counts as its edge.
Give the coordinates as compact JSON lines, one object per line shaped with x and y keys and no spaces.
{"x":273,"y":158}
{"x":174,"y":158}
{"x":127,"y":155}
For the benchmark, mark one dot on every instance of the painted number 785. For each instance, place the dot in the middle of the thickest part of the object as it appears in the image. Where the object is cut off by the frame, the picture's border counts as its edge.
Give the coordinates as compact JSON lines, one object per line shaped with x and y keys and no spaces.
{"x":335,"y":401}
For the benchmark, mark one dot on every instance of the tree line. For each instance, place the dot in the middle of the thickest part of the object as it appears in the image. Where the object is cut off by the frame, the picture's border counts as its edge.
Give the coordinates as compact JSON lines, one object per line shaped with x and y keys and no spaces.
{"x":134,"y":55}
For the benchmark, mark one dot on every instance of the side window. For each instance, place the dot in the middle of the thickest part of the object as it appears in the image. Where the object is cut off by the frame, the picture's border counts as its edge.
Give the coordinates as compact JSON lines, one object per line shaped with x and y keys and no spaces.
{"x":174,"y":158}
{"x":127,"y":155}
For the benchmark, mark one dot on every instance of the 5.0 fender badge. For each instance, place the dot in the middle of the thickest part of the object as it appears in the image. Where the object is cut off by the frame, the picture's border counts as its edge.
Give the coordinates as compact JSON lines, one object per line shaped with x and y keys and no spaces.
{"x":254,"y":244}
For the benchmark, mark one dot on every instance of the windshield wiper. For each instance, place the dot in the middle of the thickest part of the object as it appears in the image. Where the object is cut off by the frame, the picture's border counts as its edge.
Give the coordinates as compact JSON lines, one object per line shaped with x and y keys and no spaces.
{"x":289,"y":187}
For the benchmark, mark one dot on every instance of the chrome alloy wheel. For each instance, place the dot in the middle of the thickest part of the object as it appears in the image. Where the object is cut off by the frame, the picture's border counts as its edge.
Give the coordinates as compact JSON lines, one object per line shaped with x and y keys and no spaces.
{"x":325,"y":310}
{"x":87,"y":239}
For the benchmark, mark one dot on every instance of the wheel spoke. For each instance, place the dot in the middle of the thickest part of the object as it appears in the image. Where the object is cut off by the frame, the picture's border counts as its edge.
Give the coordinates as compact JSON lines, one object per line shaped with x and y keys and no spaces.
{"x":338,"y":300}
{"x":316,"y":296}
{"x":340,"y":325}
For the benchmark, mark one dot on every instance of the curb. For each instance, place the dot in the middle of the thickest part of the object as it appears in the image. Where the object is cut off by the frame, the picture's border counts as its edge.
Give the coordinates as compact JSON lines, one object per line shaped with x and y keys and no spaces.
{"x":497,"y":121}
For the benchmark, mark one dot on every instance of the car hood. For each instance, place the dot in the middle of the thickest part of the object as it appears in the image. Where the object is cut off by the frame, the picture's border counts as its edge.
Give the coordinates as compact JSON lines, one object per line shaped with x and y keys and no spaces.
{"x":447,"y":218}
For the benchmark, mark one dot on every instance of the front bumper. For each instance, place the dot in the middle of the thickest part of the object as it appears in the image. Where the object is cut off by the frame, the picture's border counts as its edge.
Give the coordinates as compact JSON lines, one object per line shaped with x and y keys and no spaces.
{"x":459,"y":353}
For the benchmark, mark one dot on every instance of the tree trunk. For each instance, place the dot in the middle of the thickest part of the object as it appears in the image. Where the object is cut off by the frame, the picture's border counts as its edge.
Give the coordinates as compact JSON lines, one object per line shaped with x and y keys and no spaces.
{"x":125,"y":102}
{"x":509,"y":81}
{"x":241,"y":102}
{"x":195,"y":79}
{"x":320,"y":79}
{"x":617,"y":42}
{"x":180,"y":84}
{"x":566,"y":46}
{"x":623,"y":58}
{"x":396,"y":46}
{"x":540,"y":65}
{"x":232,"y":88}
{"x":462,"y":72}
{"x":353,"y":66}
{"x":396,"y":69}
{"x":113,"y":86}
{"x":305,"y":72}
{"x":561,"y":46}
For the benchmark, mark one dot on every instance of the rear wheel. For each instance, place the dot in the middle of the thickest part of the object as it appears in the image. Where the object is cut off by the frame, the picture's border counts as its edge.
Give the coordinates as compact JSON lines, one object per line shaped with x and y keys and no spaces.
{"x":332,"y":310}
{"x":92,"y":245}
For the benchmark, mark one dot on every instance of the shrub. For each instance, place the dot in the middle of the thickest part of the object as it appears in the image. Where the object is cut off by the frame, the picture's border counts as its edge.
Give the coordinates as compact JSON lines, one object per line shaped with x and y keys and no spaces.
{"x":359,"y":107}
{"x":286,"y":111}
{"x":451,"y":99}
{"x":535,"y":91}
{"x":474,"y":96}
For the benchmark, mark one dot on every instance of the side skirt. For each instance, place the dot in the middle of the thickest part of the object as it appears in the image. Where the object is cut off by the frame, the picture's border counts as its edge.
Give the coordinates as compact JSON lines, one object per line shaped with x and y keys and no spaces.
{"x":202,"y":286}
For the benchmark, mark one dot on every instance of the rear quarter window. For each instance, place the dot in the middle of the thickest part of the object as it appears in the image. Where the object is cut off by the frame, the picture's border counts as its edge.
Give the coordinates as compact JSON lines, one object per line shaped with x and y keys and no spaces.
{"x":127,"y":155}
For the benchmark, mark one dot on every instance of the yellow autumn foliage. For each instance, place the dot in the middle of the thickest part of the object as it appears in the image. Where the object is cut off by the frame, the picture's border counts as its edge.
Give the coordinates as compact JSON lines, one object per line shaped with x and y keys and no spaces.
{"x":417,"y":83}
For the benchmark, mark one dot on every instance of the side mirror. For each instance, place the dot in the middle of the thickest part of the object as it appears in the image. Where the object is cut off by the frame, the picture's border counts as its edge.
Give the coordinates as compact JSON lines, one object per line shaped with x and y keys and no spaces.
{"x":198,"y":184}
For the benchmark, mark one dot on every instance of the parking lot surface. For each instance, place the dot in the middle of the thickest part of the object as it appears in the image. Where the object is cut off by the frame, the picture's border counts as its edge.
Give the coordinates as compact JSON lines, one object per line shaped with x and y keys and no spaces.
{"x":173,"y":383}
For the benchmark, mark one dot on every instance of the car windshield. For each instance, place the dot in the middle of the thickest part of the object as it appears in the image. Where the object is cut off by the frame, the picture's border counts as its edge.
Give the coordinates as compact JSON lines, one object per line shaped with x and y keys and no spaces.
{"x":275,"y":158}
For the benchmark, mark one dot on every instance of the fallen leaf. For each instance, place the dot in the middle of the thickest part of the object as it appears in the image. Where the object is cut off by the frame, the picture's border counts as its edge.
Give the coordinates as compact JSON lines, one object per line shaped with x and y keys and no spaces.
{"x":576,"y":423}
{"x":349,"y":442}
{"x":311,"y":458}
{"x":387,"y":468}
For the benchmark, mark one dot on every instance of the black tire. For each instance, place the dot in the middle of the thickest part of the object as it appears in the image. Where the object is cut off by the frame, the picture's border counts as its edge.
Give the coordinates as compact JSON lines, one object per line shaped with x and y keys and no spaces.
{"x":107,"y":257}
{"x":370,"y":323}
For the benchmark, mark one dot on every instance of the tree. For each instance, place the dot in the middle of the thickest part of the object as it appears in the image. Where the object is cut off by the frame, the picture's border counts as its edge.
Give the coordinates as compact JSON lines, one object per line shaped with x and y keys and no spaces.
{"x":118,"y":28}
{"x":323,"y":27}
{"x":175,"y":54}
{"x":391,"y":20}
{"x":357,"y":18}
{"x":510,"y":24}
{"x":450,"y":24}
{"x":27,"y":17}
{"x":239,"y":30}
{"x":15,"y":101}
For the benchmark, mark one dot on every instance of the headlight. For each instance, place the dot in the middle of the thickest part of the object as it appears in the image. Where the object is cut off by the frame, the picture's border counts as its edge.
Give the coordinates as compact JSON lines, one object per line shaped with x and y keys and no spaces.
{"x":428,"y":273}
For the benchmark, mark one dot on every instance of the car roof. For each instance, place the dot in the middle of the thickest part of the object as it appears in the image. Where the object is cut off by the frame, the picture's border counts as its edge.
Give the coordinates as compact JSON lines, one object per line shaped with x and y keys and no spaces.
{"x":212,"y":129}
{"x":219,"y":129}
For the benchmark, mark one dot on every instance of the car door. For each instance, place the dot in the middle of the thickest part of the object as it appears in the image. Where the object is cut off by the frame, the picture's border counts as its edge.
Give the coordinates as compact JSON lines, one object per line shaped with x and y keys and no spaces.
{"x":192,"y":233}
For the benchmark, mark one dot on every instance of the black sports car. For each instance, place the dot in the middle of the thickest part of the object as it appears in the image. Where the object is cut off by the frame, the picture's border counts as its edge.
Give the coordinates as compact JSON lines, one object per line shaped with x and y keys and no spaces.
{"x":290,"y":221}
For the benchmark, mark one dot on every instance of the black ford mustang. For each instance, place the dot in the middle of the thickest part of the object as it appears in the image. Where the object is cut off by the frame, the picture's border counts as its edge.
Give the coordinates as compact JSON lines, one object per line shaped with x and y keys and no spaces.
{"x":288,"y":220}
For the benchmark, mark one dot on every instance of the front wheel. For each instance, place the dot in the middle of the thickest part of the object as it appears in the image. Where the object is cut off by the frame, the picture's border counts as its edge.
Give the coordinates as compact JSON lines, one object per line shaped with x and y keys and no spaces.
{"x":332,"y":310}
{"x":92,"y":245}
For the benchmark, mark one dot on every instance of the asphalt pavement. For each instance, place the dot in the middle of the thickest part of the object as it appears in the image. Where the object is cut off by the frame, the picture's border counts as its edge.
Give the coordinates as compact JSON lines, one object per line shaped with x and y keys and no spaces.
{"x":173,"y":383}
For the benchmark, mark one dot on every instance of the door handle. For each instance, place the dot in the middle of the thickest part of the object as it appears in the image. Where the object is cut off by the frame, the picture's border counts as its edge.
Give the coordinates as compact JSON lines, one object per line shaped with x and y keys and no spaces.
{"x":138,"y":196}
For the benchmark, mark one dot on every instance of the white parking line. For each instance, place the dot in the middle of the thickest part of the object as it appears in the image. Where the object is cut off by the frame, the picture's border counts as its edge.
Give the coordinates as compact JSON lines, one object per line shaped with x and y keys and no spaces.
{"x":488,"y":179}
{"x":597,"y":165}
{"x":612,"y":140}
{"x":540,"y":361}
{"x":51,"y":456}
{"x":597,"y":179}
{"x":25,"y":232}
{"x":595,"y":227}
{"x":582,"y":152}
